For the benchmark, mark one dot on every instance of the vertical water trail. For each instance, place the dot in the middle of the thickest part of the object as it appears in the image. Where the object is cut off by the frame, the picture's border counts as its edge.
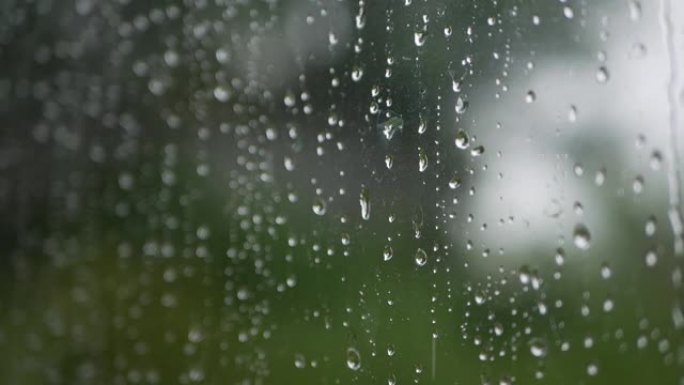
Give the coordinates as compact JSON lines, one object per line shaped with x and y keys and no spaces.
{"x":674,"y":212}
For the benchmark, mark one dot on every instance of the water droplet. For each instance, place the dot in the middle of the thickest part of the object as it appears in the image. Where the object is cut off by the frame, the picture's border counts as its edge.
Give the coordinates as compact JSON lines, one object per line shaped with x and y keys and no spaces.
{"x":592,"y":369}
{"x":477,"y":151}
{"x":391,"y":350}
{"x":422,"y":160}
{"x":638,"y":185}
{"x":454,"y":183}
{"x":582,"y":237}
{"x":650,"y":227}
{"x":353,"y":359}
{"x":656,"y":160}
{"x":422,"y":126}
{"x":393,"y":124}
{"x":568,"y":12}
{"x":572,"y":114}
{"x":364,"y":200}
{"x":345,"y":239}
{"x":357,"y":74}
{"x":299,"y":361}
{"x":600,"y":177}
{"x":387,"y":253}
{"x":421,"y":257}
{"x":578,"y":169}
{"x":461,"y":105}
{"x":602,"y":75}
{"x":456,"y":85}
{"x":319,"y":206}
{"x":605,"y":271}
{"x":419,"y":39}
{"x":530,"y":97}
{"x":634,"y":10}
{"x":462,"y":140}
{"x":538,"y":347}
{"x":389,"y":161}
{"x":651,"y":258}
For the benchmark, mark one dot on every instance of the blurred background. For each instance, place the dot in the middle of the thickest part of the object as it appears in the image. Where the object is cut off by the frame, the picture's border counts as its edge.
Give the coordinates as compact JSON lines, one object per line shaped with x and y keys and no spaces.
{"x":341,"y":192}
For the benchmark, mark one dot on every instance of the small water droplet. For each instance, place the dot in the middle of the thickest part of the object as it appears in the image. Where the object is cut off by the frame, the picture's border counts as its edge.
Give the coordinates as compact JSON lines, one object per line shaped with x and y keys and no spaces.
{"x":364,"y":200}
{"x":461,"y":105}
{"x":582,"y":237}
{"x":357,"y":74}
{"x":419,"y":38}
{"x":422,"y":160}
{"x":421,"y":257}
{"x":530,"y":97}
{"x":353,"y":359}
{"x":462,"y":140}
{"x":651,"y":258}
{"x":650,"y":227}
{"x":572,"y":114}
{"x":656,"y":160}
{"x":389,"y":161}
{"x":455,"y":183}
{"x":319,"y":206}
{"x":538,"y":347}
{"x":393,"y":124}
{"x":592,"y":369}
{"x":602,"y":75}
{"x":387,"y":253}
{"x":477,"y":151}
{"x":606,"y":272}
{"x":638,"y":185}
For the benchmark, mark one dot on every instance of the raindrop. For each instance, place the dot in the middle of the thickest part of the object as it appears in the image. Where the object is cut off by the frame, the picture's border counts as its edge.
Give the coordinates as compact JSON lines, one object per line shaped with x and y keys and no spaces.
{"x":477,"y":151}
{"x":582,"y":237}
{"x":461,"y":105}
{"x":422,"y":160}
{"x":421,"y":257}
{"x":389,"y":160}
{"x":357,"y":74}
{"x":454,"y":183}
{"x":651,"y":258}
{"x":353,"y":359}
{"x":462,"y":140}
{"x":319,"y":206}
{"x":605,"y":271}
{"x":530,"y":97}
{"x":602,"y":75}
{"x":538,"y":347}
{"x":572,"y":114}
{"x":364,"y":200}
{"x":387,"y":253}
{"x":568,"y":12}
{"x":592,"y":369}
{"x":656,"y":160}
{"x":419,"y":39}
{"x":650,"y":227}
{"x":393,"y":124}
{"x":638,"y":184}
